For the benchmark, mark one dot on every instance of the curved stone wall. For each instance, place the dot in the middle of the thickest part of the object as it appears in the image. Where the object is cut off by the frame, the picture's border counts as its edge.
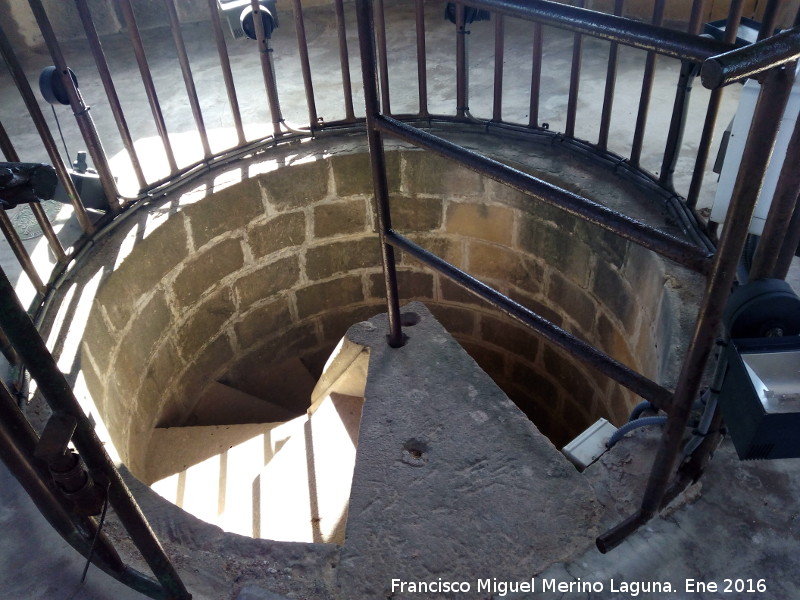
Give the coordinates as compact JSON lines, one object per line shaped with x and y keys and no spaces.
{"x":278,"y":266}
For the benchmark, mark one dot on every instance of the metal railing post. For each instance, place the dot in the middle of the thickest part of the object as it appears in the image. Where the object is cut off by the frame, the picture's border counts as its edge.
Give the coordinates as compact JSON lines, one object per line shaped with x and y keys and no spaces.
{"x":378,"y":162}
{"x":760,"y":144}
{"x":55,"y":389}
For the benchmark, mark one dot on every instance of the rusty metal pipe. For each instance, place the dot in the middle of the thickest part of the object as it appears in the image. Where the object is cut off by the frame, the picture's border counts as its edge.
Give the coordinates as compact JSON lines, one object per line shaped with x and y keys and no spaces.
{"x":499,"y":56}
{"x":422,"y":58}
{"x":344,"y":61}
{"x":758,"y":150}
{"x":780,"y":213}
{"x":583,"y":351}
{"x":79,"y":108}
{"x":536,"y":75}
{"x":225,"y":65}
{"x":574,"y":79}
{"x":378,"y":163}
{"x":267,"y":69}
{"x":55,"y":389}
{"x":108,"y":85}
{"x":647,"y":91}
{"x":383,"y":58}
{"x":18,"y":248}
{"x":186,"y":72}
{"x":305,"y":65}
{"x":147,"y":81}
{"x":749,"y":61}
{"x":668,"y":42}
{"x":681,"y":252}
{"x":611,"y":82}
{"x":769,"y":20}
{"x":21,"y":81}
{"x":715,"y":100}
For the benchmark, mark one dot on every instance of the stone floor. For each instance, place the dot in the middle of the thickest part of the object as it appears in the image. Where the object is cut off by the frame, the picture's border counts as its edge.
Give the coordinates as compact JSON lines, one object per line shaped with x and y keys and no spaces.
{"x":741,"y":523}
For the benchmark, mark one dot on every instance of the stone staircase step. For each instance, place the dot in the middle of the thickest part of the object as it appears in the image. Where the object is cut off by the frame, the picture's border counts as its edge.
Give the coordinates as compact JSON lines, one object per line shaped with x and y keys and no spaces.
{"x":209,"y":470}
{"x":288,"y":384}
{"x":305,"y":489}
{"x":223,"y":404}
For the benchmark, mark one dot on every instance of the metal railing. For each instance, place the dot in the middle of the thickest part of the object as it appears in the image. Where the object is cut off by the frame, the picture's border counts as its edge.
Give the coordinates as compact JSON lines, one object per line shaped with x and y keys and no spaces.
{"x":721,"y":64}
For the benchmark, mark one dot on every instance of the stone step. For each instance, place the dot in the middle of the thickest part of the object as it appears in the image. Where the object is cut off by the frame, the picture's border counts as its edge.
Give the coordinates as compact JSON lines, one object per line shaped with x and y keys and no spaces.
{"x":288,"y":384}
{"x":304,"y":490}
{"x":283,"y":481}
{"x":208,"y":469}
{"x":223,"y":404}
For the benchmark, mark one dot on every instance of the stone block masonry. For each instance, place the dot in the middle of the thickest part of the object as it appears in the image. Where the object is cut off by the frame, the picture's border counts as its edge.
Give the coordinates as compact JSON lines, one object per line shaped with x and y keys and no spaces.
{"x":277,"y":267}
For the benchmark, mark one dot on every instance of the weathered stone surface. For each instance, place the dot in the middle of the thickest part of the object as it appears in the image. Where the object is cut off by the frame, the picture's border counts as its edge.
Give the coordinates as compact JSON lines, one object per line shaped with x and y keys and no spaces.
{"x":573,"y":301}
{"x":615,"y":294}
{"x":428,"y":173}
{"x":447,"y":248}
{"x":224,"y":211}
{"x":555,"y":248}
{"x":416,"y":214}
{"x":207,"y":363}
{"x":282,"y":231}
{"x":353,"y":174}
{"x":451,"y":480}
{"x":206,"y":269}
{"x":324,"y":296}
{"x":143,"y":269}
{"x":205,"y":321}
{"x":486,"y":222}
{"x":340,"y":218}
{"x":340,"y":257}
{"x":411,"y":284}
{"x":263,"y":322}
{"x":499,"y":264}
{"x":267,"y":281}
{"x":455,"y":319}
{"x":135,"y":348}
{"x":513,"y":338}
{"x":99,"y":339}
{"x":296,"y":186}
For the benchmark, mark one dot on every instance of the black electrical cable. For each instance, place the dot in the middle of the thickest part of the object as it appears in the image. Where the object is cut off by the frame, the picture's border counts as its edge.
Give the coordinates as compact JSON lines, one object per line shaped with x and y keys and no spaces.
{"x":96,"y":535}
{"x":63,"y":141}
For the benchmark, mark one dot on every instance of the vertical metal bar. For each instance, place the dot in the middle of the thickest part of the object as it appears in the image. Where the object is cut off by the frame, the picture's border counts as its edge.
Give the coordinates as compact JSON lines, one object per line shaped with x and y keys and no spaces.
{"x":186,"y":71}
{"x":267,"y":69}
{"x":305,"y":66}
{"x":20,"y":252}
{"x":462,"y":76}
{"x":499,"y":56}
{"x":8,"y":350}
{"x":383,"y":58}
{"x":225,"y":65}
{"x":769,"y":20}
{"x":378,"y":161}
{"x":714,"y":102}
{"x":344,"y":60}
{"x":56,"y":390}
{"x":680,"y":108}
{"x":790,"y":244}
{"x":39,"y":122}
{"x":783,"y":205}
{"x":79,"y":107}
{"x":574,"y":79}
{"x":147,"y":80}
{"x":7,"y":148}
{"x":108,"y":84}
{"x":422,"y":58}
{"x":611,"y":82}
{"x":536,"y":75}
{"x":647,"y":91}
{"x":758,"y":150}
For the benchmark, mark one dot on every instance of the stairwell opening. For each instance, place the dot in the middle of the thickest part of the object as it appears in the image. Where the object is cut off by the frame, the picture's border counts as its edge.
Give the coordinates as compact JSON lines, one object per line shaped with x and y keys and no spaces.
{"x":222,"y":318}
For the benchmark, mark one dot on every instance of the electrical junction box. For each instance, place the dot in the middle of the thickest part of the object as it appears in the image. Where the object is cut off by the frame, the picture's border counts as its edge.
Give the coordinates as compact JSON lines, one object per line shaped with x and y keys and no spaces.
{"x":733,"y":154}
{"x":590,"y":445}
